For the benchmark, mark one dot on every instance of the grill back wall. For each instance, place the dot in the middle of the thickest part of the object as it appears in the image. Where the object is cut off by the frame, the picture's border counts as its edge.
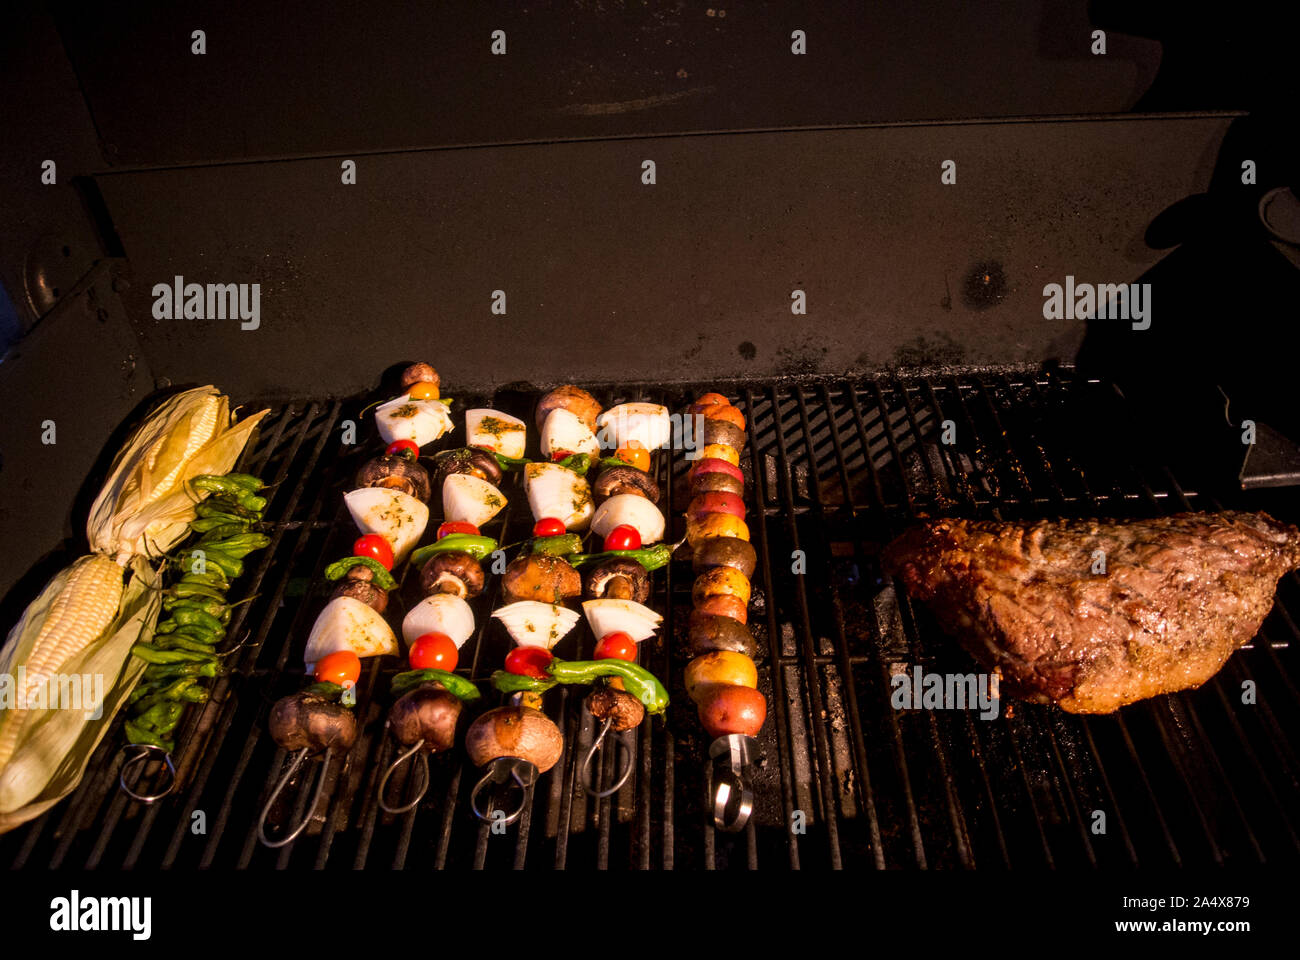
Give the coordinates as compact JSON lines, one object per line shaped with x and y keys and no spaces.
{"x":835,"y":467}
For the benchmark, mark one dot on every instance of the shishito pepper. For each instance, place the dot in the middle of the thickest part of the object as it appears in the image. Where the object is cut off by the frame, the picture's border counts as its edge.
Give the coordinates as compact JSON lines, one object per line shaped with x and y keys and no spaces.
{"x":151,"y":654}
{"x":382,"y":578}
{"x":652,"y":558}
{"x":637,"y":680}
{"x":138,"y":734}
{"x":238,"y":546}
{"x":476,"y":546}
{"x":174,"y":671}
{"x":229,"y":510}
{"x":455,"y":684}
{"x":558,"y":546}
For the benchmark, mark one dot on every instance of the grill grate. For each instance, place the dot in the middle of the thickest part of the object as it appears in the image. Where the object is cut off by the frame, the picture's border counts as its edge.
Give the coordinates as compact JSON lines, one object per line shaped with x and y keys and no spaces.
{"x":836,"y":468}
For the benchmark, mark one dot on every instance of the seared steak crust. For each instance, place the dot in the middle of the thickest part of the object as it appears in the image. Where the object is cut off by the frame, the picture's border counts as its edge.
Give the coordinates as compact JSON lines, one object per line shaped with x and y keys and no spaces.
{"x":1178,"y":595}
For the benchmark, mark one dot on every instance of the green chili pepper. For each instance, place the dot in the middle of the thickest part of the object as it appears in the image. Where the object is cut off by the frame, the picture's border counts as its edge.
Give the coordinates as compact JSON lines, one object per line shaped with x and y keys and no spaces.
{"x":638,"y":681}
{"x":173,"y":671}
{"x":214,"y":578}
{"x":476,"y":546}
{"x":219,"y":527}
{"x":138,"y":734}
{"x":558,"y":546}
{"x":579,"y":463}
{"x":382,"y":579}
{"x":226,"y":509}
{"x":176,"y":690}
{"x":510,"y":463}
{"x":152,"y":654}
{"x":230,"y":566}
{"x":253,"y":503}
{"x":330,"y":691}
{"x":518,"y":683}
{"x":210,"y":605}
{"x":161,"y":716}
{"x":174,"y":641}
{"x":221,"y":486}
{"x":144,"y":689}
{"x":652,"y":558}
{"x":458,"y":685}
{"x":247,"y":481}
{"x":237,"y":546}
{"x":195,"y":617}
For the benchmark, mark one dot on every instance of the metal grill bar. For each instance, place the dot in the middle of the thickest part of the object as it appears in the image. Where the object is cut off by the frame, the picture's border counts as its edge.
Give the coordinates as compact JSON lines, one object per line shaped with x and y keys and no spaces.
{"x":834,"y":468}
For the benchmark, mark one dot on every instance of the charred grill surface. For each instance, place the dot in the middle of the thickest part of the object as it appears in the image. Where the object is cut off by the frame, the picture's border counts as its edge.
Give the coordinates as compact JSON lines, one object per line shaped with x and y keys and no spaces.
{"x":1094,"y":614}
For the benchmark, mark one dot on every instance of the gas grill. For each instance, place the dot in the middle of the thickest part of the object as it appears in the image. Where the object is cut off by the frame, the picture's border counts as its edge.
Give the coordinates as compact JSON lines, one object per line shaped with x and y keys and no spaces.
{"x":836,"y":467}
{"x":924,"y":381}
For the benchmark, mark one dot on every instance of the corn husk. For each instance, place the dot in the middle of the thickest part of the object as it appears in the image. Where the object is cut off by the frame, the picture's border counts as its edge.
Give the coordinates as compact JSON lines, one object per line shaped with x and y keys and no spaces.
{"x":143,"y":510}
{"x":56,"y":747}
{"x":128,"y":517}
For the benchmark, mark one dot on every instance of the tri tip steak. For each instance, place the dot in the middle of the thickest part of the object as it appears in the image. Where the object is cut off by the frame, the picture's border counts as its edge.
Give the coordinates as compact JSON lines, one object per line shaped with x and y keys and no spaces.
{"x":1178,"y":595}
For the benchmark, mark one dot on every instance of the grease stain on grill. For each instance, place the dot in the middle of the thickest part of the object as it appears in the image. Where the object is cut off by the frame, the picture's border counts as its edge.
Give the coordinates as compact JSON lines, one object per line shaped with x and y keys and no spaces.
{"x":985,"y":285}
{"x":747,"y":350}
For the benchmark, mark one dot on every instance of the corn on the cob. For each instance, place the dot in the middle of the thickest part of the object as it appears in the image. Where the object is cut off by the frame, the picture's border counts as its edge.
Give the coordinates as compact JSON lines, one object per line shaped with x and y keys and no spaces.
{"x":203,"y":426}
{"x":84,"y":609}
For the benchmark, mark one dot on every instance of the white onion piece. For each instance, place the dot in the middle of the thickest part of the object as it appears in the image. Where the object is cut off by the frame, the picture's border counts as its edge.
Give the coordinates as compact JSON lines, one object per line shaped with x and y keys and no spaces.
{"x":439,"y":613}
{"x":423,"y":421}
{"x":532,"y":623}
{"x":633,"y":510}
{"x":563,"y":430}
{"x":556,"y":491}
{"x":497,"y":431}
{"x":621,"y":616}
{"x":348,"y":624}
{"x":470,"y":499}
{"x":646,"y":423}
{"x":397,"y":517}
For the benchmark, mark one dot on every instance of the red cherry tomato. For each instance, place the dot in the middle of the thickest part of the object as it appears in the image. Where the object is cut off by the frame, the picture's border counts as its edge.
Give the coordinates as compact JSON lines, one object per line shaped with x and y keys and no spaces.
{"x":529,"y":661}
{"x":375,"y":547}
{"x":456,"y":526}
{"x":624,"y":537}
{"x":341,"y":667}
{"x":404,"y":447}
{"x":548,"y":527}
{"x":616,"y":646}
{"x":558,"y":455}
{"x":435,"y":651}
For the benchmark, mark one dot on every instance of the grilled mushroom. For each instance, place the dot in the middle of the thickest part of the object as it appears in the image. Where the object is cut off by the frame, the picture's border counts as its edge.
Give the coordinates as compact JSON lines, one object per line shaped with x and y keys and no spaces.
{"x":475,"y":462}
{"x":542,"y":578}
{"x":400,"y":473}
{"x":618,"y":578}
{"x":515,"y":732}
{"x":428,"y":713}
{"x":574,"y":399}
{"x":306,"y":719}
{"x":452,"y":571}
{"x":615,"y":480}
{"x":369,"y":594}
{"x":419,"y":373}
{"x":626,"y":709}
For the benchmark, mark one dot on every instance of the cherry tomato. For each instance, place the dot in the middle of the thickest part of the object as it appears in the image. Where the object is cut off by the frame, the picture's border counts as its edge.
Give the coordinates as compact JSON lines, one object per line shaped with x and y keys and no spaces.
{"x":616,"y":646}
{"x":558,"y":455}
{"x":634,"y":455}
{"x":456,"y":526}
{"x":529,"y":661}
{"x":549,"y":527}
{"x":341,"y":667}
{"x":624,"y":537}
{"x":404,"y":448}
{"x":424,"y":391}
{"x":375,"y":547}
{"x":435,"y":651}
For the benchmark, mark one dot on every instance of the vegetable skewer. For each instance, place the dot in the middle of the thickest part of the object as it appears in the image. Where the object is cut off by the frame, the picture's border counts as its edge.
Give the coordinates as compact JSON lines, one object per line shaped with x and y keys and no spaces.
{"x":722,"y":678}
{"x":391,"y":511}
